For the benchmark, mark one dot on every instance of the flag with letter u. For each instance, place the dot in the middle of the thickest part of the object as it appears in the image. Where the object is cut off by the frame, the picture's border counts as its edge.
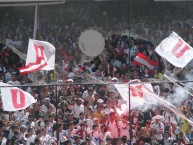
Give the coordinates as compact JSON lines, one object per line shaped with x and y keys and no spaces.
{"x":175,"y":50}
{"x":14,"y":98}
{"x":40,"y":56}
{"x":142,"y":59}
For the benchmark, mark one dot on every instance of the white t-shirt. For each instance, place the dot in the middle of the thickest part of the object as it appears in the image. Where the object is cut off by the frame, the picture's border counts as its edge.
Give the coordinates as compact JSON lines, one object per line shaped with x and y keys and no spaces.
{"x":62,"y":133}
{"x":71,"y":135}
{"x":50,"y":129}
{"x":22,"y":135}
{"x":124,"y":130}
{"x":31,"y":124}
{"x":14,"y":83}
{"x":157,"y":128}
{"x":31,"y":139}
{"x":8,"y":76}
{"x":96,"y":137}
{"x":44,"y":108}
{"x":108,"y":110}
{"x":46,"y":139}
{"x":89,"y":123}
{"x":77,"y":110}
{"x":85,"y":94}
{"x":168,"y":141}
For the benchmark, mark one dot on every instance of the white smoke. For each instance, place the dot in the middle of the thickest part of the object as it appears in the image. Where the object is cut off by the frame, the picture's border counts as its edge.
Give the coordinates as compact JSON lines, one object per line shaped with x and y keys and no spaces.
{"x":182,"y":91}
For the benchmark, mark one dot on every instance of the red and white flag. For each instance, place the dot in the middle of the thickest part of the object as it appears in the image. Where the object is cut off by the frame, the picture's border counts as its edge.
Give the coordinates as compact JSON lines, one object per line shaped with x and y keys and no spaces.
{"x":142,"y":59}
{"x":40,"y":56}
{"x":14,"y":98}
{"x":175,"y":50}
{"x":143,"y":97}
{"x":137,"y":96}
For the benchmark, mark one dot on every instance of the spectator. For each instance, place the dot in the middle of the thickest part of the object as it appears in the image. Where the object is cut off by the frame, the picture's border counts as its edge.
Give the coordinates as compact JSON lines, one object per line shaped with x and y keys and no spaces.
{"x":78,"y":116}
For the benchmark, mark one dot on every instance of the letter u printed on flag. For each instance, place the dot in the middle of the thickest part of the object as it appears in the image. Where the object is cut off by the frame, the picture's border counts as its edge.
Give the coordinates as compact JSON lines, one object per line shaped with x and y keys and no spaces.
{"x":14,"y":98}
{"x":175,"y":50}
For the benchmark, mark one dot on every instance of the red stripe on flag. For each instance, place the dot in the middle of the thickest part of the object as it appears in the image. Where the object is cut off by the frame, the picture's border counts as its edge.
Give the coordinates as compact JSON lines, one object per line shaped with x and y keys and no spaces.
{"x":39,"y":57}
{"x":143,"y":60}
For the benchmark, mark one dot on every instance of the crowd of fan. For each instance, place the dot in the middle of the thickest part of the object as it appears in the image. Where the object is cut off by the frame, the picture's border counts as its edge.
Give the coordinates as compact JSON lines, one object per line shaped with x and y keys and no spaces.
{"x":86,"y":114}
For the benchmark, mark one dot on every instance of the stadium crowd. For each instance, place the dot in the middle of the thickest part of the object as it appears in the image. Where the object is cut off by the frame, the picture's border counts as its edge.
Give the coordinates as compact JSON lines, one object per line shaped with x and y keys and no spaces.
{"x":85,"y":114}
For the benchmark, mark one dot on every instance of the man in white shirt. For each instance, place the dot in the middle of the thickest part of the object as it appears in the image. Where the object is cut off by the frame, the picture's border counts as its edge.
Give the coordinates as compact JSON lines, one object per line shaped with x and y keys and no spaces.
{"x":71,"y":132}
{"x":109,"y":107}
{"x":31,"y":137}
{"x":85,"y":93}
{"x":61,"y":131}
{"x":124,"y":128}
{"x":46,"y":105}
{"x":30,"y":123}
{"x":168,"y":140}
{"x":51,"y":124}
{"x":46,"y":139}
{"x":157,"y":128}
{"x":76,"y":72}
{"x":14,"y":80}
{"x":78,"y":108}
{"x":23,"y":130}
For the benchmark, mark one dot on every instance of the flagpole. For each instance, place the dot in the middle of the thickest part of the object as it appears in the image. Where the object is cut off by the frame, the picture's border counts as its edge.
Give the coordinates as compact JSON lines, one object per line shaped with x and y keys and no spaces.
{"x":57,"y":131}
{"x":130,"y":119}
{"x":35,"y":21}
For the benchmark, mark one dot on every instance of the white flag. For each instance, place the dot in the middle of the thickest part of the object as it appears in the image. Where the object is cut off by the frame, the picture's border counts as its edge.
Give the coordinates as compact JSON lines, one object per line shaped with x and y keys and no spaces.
{"x":137,"y":96}
{"x":40,"y":56}
{"x":14,"y":98}
{"x":175,"y":50}
{"x":143,"y":97}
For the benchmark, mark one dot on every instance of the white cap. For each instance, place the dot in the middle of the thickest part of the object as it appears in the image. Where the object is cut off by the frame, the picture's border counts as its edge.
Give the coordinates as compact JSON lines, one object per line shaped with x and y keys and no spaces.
{"x":70,"y":80}
{"x":114,"y":79}
{"x":100,"y":101}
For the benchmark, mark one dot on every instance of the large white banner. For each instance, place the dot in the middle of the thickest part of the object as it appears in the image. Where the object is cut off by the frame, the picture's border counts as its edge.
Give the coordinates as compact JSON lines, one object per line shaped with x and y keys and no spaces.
{"x":142,"y":94}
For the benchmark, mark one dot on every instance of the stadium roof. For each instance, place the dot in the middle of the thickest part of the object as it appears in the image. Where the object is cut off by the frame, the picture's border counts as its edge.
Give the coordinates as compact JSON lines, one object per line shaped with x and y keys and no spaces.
{"x":4,"y":3}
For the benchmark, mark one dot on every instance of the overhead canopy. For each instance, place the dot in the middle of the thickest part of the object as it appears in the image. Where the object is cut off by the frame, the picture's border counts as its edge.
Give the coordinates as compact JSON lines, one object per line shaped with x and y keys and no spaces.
{"x":4,"y":3}
{"x":17,"y":1}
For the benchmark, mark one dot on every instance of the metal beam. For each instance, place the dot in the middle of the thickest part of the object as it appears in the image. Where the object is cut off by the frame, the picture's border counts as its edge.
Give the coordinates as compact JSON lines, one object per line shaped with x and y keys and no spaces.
{"x":24,"y":1}
{"x":31,"y":3}
{"x":172,"y":0}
